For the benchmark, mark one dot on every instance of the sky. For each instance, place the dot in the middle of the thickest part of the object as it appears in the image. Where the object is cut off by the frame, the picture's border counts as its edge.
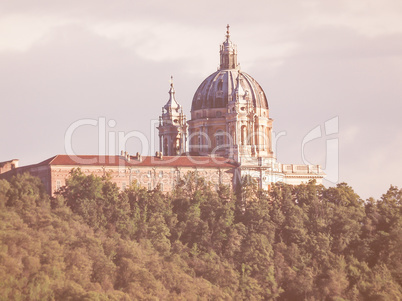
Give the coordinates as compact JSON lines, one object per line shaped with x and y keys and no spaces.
{"x":331,"y":70}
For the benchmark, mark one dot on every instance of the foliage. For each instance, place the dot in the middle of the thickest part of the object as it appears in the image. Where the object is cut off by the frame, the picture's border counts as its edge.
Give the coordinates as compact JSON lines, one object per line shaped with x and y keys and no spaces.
{"x":94,"y":242}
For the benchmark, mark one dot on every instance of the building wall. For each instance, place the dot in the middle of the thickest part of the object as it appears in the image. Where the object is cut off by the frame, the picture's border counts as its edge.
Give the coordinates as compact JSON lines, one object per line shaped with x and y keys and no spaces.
{"x":264,"y":170}
{"x":145,"y":176}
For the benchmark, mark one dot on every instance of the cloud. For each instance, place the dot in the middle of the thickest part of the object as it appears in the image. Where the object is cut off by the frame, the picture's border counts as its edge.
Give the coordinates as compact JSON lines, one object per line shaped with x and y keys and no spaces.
{"x":369,"y":18}
{"x":74,"y":74}
{"x":18,"y":32}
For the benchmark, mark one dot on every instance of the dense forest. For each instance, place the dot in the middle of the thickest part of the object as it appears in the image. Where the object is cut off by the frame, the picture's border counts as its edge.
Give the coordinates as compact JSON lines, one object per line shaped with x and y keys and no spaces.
{"x":95,"y":242}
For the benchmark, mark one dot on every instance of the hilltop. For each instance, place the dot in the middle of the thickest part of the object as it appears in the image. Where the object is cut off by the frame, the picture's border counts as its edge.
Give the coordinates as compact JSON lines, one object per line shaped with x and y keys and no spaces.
{"x":96,"y":242}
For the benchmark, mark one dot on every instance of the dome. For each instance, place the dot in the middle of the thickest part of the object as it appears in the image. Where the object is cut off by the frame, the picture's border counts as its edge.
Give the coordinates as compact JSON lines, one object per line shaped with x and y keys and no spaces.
{"x":223,"y":86}
{"x":230,"y":114}
{"x":220,"y":88}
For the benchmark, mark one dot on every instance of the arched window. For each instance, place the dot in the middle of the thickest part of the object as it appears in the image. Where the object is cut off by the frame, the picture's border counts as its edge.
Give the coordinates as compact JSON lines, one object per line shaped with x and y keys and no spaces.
{"x":219,"y":138}
{"x":165,"y":147}
{"x":268,"y":141}
{"x":263,"y":138}
{"x":257,"y":141}
{"x":177,"y":146}
{"x":243,"y":135}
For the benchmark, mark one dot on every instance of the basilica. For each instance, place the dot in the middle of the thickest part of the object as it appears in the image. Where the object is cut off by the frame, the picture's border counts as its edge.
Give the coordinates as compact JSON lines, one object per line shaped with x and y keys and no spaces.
{"x":229,"y":119}
{"x":228,"y":137}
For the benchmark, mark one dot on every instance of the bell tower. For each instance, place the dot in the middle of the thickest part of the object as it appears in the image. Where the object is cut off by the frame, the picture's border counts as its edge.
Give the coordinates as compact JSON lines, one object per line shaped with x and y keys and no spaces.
{"x":172,"y":127}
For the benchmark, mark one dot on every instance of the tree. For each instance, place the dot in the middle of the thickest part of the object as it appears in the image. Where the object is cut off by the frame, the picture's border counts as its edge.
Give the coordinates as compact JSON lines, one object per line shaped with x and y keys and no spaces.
{"x":97,"y":201}
{"x":4,"y":188}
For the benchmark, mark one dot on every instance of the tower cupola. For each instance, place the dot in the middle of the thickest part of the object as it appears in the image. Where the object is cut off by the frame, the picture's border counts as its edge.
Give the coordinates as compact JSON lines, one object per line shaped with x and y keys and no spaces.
{"x":172,"y":104}
{"x":228,"y":53}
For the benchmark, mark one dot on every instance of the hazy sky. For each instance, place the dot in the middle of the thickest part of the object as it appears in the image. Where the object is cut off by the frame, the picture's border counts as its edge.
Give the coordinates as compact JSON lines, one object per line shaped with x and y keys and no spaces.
{"x":63,"y":61}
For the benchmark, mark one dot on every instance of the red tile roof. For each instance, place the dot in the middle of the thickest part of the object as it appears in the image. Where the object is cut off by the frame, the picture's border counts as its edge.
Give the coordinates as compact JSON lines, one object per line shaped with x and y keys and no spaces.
{"x":168,"y":161}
